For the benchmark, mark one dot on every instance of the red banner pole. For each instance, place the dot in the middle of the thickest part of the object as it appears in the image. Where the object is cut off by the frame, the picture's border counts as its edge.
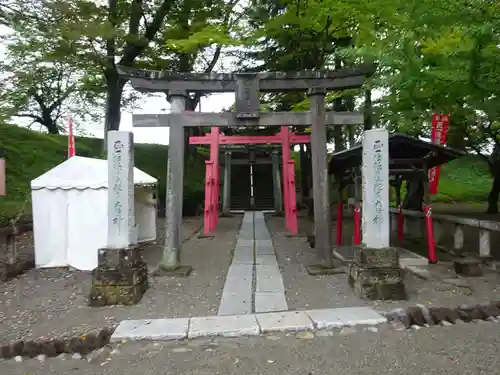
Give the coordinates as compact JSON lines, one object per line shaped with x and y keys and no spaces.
{"x":71,"y":138}
{"x":430,"y":234}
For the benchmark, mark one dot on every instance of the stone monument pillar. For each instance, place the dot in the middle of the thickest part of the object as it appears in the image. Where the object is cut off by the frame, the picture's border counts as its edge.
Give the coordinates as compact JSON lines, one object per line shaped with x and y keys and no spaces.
{"x":226,"y":198}
{"x":375,"y":273}
{"x":121,"y":276}
{"x":278,"y":196}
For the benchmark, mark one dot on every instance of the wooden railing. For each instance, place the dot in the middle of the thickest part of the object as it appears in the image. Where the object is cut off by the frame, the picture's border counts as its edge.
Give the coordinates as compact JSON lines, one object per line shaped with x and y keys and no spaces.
{"x":481,"y":231}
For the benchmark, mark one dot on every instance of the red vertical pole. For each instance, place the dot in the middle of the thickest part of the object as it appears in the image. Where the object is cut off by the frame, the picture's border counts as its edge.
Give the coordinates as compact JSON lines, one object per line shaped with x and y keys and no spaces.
{"x":340,"y":212}
{"x":292,"y":217}
{"x":430,"y":234}
{"x":71,"y":138}
{"x":400,"y":219}
{"x":207,"y":219}
{"x":357,"y":224}
{"x":214,"y":156}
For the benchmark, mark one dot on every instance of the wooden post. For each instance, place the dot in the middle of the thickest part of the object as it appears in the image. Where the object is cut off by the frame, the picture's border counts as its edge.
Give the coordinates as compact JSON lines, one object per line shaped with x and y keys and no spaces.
{"x":321,"y":196}
{"x":428,"y":219}
{"x":399,"y":214}
{"x":285,"y":152}
{"x":278,"y":199}
{"x":340,"y":211}
{"x":304,"y":186}
{"x":226,"y":199}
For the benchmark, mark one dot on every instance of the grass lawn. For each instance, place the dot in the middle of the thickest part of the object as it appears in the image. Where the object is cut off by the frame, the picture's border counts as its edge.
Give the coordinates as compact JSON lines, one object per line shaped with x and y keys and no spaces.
{"x":30,"y":154}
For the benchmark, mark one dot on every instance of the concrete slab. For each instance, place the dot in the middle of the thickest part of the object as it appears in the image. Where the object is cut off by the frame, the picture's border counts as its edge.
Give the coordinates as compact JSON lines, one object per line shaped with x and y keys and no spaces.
{"x":151,"y":329}
{"x":243,"y":258}
{"x":325,"y":318}
{"x":237,"y":271}
{"x":246,"y":235}
{"x":265,"y":251}
{"x":270,"y":302}
{"x":242,"y":242}
{"x":235,"y":285}
{"x":236,"y":303}
{"x":263,"y":243}
{"x":244,"y":249}
{"x":263,"y":270}
{"x":284,"y":321}
{"x":263,"y":259}
{"x":228,"y":326}
{"x":269,"y":285}
{"x":351,"y":316}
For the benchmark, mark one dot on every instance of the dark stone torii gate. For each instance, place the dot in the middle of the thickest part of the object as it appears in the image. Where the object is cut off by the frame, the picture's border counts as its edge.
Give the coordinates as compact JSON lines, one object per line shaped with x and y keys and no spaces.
{"x":247,"y":87}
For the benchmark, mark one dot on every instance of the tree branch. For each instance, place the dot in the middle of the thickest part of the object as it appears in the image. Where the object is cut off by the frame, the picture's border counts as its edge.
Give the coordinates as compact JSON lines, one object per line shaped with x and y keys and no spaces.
{"x":133,"y":49}
{"x":111,"y":41}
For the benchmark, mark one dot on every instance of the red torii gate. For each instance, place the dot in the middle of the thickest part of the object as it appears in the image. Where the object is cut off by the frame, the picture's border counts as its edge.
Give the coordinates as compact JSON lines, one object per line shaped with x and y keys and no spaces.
{"x":212,"y":173}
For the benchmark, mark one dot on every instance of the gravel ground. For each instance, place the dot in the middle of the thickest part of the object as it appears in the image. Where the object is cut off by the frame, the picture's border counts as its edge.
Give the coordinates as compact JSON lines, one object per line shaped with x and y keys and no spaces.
{"x":53,"y":302}
{"x":311,"y":292}
{"x":463,"y":349}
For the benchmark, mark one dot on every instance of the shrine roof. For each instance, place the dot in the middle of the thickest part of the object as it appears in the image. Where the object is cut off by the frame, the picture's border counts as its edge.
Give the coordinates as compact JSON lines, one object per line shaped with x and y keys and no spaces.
{"x":404,"y":153}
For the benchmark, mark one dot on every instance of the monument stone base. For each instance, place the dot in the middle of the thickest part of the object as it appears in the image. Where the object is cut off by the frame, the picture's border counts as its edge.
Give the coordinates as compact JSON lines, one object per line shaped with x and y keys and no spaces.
{"x":375,"y":274}
{"x":177,"y":271}
{"x":121,"y":277}
{"x":468,"y":266}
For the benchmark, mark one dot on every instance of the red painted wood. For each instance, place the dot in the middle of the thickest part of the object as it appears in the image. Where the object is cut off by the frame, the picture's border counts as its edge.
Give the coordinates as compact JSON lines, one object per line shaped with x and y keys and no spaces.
{"x":212,"y":172}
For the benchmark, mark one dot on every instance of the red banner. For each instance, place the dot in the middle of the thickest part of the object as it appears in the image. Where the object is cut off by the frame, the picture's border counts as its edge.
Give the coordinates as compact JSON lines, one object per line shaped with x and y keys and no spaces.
{"x":440,"y":125}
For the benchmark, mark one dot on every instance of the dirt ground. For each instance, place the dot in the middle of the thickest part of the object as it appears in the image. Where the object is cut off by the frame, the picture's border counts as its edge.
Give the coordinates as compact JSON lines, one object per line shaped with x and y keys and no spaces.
{"x":312,"y":292}
{"x":50,"y":303}
{"x":53,"y":302}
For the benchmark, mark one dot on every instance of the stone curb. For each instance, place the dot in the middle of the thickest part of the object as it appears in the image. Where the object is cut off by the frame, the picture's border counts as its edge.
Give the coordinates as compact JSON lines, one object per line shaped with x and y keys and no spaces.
{"x":83,"y":345}
{"x":244,"y":325}
{"x":423,"y":316}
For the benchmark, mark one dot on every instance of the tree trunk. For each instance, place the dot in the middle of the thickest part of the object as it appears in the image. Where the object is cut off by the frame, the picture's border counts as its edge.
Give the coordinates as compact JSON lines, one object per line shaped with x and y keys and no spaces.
{"x":494,"y":165}
{"x":114,"y":92}
{"x":50,"y":124}
{"x":338,"y":139}
{"x":368,"y":115}
{"x":493,"y":195}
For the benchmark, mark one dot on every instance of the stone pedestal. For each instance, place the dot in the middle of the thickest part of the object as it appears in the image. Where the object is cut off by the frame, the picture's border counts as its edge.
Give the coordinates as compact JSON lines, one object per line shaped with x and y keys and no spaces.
{"x":375,"y":274}
{"x":121,"y":278}
{"x":468,"y":267}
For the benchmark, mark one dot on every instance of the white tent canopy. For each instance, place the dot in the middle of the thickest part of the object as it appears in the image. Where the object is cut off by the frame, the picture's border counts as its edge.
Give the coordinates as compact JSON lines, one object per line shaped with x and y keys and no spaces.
{"x":70,"y":209}
{"x":83,"y":173}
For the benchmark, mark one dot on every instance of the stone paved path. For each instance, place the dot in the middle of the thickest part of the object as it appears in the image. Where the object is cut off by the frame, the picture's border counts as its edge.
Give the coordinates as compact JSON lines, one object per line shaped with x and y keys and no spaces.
{"x":254,"y":260}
